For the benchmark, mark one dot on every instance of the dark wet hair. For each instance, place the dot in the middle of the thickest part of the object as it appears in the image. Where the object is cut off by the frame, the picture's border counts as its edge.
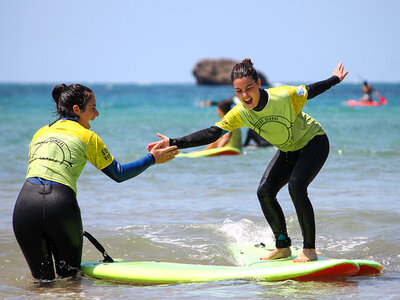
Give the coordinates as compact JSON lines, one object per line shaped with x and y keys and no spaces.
{"x":66,"y":97}
{"x":225,"y":105}
{"x":243,"y":69}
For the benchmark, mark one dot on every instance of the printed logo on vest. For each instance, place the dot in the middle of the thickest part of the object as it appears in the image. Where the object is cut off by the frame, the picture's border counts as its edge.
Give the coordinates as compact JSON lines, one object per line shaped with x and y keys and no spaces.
{"x":56,"y":151}
{"x":277,"y":128}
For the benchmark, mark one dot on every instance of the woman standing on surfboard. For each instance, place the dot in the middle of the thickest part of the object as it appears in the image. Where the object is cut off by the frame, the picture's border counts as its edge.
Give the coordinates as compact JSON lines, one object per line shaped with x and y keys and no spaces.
{"x":47,"y":220}
{"x":276,"y":114}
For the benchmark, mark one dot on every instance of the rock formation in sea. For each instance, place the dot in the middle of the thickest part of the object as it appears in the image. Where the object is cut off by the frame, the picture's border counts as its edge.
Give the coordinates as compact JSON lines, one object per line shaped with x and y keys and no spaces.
{"x":218,"y":72}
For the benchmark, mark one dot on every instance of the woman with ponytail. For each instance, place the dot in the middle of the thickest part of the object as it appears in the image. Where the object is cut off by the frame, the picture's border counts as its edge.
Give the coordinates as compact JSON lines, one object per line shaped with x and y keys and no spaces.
{"x":276,"y":114}
{"x":47,"y":220}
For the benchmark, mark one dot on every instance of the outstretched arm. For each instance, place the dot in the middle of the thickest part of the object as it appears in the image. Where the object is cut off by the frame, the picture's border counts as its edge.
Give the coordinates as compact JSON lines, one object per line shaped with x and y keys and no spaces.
{"x":120,"y":173}
{"x":124,"y":172}
{"x":319,"y":87}
{"x":198,"y":138}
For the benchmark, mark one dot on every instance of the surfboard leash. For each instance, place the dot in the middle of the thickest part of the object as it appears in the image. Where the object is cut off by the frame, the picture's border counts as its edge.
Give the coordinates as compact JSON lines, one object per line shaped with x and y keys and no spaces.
{"x":107,"y":258}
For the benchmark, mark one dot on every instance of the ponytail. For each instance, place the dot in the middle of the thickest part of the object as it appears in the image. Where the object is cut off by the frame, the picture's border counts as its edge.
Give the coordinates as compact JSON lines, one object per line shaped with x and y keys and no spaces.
{"x":57,"y":92}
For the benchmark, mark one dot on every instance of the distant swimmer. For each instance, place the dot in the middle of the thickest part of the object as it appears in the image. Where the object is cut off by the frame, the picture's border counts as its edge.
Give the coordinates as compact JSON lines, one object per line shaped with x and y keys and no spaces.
{"x":303,"y":147}
{"x":47,"y":219}
{"x":232,"y":138}
{"x":251,"y":136}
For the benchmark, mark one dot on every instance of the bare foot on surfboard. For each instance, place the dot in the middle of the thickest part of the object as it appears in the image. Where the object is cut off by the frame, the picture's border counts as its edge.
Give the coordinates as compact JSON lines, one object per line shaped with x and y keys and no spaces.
{"x":306,"y":255}
{"x":278,"y":253}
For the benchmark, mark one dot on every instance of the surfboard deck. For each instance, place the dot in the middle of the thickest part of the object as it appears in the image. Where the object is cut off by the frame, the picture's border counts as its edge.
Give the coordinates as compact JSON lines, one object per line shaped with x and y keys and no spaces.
{"x":212,"y":152}
{"x":152,"y":272}
{"x":249,"y":255}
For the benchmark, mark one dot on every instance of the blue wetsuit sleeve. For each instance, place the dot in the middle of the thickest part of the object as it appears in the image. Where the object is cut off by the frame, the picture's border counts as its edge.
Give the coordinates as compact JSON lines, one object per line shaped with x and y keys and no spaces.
{"x":120,"y":173}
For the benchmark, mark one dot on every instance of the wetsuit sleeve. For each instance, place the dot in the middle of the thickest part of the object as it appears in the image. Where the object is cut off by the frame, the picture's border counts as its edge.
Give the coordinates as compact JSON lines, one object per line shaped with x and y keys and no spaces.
{"x":120,"y":173}
{"x":198,"y":138}
{"x":321,"y":86}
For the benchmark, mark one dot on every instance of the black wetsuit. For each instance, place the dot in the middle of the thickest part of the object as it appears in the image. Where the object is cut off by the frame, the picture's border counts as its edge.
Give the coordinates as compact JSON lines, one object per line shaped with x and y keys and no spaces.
{"x":298,"y":168}
{"x":47,"y":220}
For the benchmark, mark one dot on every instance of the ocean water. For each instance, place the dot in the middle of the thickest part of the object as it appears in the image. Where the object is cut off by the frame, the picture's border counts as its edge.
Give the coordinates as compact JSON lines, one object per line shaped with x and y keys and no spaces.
{"x":188,"y":210}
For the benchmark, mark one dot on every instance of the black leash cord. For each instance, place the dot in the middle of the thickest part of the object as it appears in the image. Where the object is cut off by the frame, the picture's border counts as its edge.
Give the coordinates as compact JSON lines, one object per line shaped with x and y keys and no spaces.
{"x":98,"y":246}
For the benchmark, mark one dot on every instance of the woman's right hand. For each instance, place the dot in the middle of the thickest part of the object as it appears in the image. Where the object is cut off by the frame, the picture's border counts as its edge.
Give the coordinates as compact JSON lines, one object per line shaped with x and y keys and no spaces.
{"x":165,"y":142}
{"x":163,"y":154}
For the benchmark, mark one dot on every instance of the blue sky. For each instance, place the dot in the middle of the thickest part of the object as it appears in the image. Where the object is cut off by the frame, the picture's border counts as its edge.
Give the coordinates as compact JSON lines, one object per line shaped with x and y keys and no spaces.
{"x":161,"y":41}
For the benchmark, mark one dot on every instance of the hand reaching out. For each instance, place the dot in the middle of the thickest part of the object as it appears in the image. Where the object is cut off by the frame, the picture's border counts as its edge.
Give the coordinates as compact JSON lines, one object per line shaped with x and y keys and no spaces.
{"x":164,"y":142}
{"x":339,"y":72}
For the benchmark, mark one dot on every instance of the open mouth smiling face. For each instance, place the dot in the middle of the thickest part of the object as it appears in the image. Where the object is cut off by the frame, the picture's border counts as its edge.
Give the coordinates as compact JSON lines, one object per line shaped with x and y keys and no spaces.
{"x":248,"y":102}
{"x":247,"y":90}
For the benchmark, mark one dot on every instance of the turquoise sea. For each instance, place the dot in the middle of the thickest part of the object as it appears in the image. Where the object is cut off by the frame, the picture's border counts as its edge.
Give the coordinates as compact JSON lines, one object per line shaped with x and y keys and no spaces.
{"x":188,"y":210}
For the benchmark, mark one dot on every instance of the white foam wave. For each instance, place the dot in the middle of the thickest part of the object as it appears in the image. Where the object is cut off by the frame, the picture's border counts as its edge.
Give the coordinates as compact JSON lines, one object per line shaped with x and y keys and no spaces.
{"x":246,"y":232}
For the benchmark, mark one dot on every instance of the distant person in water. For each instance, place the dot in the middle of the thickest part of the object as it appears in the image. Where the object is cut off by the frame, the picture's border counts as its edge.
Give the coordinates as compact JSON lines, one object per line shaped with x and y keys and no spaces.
{"x":252,"y":136}
{"x":258,"y":139}
{"x":232,"y":138}
{"x":367,"y":92}
{"x":302,"y":143}
{"x":233,"y":100}
{"x":47,"y":219}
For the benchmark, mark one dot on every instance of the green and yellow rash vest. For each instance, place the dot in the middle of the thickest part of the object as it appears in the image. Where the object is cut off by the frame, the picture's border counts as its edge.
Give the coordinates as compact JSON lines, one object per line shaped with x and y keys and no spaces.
{"x":281,"y":122}
{"x":59,"y":152}
{"x":235,"y":139}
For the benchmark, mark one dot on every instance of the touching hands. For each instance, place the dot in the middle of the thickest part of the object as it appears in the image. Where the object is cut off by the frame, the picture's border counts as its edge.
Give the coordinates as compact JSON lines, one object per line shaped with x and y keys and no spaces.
{"x":161,"y":150}
{"x":164,"y":142}
{"x":163,"y":154}
{"x":339,"y":72}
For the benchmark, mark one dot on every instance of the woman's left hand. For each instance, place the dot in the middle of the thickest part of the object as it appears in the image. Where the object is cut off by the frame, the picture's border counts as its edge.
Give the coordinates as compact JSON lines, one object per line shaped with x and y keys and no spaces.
{"x":339,"y":72}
